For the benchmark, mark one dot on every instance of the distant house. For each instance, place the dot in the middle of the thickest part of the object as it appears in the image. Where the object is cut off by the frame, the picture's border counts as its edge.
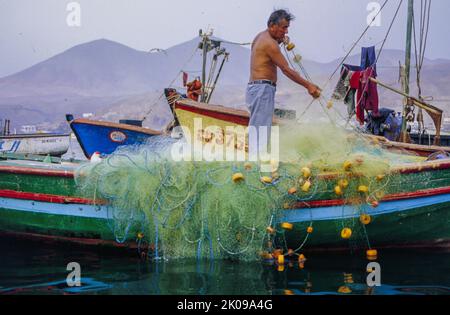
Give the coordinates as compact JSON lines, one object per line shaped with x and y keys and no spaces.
{"x":28,"y":129}
{"x":87,"y":115}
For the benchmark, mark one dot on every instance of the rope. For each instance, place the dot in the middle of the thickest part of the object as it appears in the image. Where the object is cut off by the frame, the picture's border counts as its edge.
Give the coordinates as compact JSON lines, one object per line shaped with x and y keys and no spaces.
{"x":170,"y":84}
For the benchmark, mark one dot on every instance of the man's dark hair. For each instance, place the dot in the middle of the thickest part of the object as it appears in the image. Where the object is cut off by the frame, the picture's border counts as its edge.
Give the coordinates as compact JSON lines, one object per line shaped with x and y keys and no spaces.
{"x":277,"y":16}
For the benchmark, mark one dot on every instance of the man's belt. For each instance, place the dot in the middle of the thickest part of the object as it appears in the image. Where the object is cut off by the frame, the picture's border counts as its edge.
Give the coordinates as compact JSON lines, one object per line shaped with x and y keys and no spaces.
{"x":263,"y":82}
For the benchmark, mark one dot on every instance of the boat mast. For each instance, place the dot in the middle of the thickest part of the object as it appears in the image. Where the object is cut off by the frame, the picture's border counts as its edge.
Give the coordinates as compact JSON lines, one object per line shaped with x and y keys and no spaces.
{"x":205,"y":51}
{"x":407,"y":65}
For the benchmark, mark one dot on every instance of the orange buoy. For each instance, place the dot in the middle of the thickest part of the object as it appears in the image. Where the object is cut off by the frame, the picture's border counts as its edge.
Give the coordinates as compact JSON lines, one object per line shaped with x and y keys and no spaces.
{"x":346,"y":233}
{"x":270,"y":230}
{"x":301,"y":258}
{"x":365,"y":219}
{"x":288,"y":292}
{"x":292,"y":191}
{"x":372,"y":254}
{"x":237,"y":177}
{"x":287,"y":226}
{"x":374,"y":204}
{"x":309,"y":230}
{"x":380,"y":177}
{"x":344,"y":290}
{"x":290,"y":252}
{"x":280,"y":259}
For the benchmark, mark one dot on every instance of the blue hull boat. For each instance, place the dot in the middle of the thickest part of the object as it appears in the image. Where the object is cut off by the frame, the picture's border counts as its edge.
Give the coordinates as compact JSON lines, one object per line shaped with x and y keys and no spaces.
{"x":105,"y":137}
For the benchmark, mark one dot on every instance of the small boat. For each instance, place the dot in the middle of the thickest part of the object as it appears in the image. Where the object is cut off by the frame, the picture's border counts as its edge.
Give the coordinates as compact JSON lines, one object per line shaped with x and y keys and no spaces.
{"x":105,"y":137}
{"x":52,"y":144}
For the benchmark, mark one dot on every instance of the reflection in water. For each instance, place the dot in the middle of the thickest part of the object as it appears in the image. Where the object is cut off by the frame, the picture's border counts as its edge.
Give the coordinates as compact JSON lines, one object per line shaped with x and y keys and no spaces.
{"x":34,"y":268}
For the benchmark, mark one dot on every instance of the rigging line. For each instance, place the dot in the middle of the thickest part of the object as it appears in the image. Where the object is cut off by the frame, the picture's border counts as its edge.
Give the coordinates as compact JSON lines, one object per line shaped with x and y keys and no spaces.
{"x":389,"y":30}
{"x":170,"y":84}
{"x":356,"y":43}
{"x":345,"y":58}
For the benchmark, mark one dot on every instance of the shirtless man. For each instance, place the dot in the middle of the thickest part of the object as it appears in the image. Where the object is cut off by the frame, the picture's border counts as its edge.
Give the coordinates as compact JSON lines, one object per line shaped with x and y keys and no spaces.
{"x":266,"y":56}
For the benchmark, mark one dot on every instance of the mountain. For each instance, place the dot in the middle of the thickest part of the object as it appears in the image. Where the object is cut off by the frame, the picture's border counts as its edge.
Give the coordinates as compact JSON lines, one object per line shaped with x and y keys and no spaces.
{"x":115,"y":81}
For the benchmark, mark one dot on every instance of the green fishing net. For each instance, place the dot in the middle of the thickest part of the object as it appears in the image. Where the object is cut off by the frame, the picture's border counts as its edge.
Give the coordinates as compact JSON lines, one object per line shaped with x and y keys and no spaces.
{"x":222,"y":209}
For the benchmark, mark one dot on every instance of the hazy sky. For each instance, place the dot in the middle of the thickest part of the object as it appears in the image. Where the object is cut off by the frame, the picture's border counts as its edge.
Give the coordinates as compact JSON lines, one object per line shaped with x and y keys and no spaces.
{"x":34,"y":30}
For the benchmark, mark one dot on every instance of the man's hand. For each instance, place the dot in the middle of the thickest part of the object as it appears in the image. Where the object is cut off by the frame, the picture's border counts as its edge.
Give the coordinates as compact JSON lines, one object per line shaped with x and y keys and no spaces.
{"x":314,"y":90}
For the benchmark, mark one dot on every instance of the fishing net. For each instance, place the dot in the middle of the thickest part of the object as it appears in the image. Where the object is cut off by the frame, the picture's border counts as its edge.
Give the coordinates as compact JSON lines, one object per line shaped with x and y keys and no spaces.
{"x":230,"y":210}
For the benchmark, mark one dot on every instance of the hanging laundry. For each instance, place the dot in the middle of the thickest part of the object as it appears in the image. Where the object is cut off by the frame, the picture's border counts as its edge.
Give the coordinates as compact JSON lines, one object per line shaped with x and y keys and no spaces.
{"x":368,"y":58}
{"x":367,"y":96}
{"x":341,"y":88}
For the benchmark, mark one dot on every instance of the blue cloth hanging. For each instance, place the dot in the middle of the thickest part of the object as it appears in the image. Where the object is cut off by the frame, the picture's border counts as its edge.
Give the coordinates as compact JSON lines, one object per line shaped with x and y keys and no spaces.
{"x":368,"y":58}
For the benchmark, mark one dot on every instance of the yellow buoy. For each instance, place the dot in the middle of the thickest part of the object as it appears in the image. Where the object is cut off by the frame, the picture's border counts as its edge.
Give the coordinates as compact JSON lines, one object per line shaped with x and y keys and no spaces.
{"x":286,"y":205}
{"x":309,"y":229}
{"x":363,"y":189}
{"x":140,"y":235}
{"x":237,"y":177}
{"x":338,"y":190}
{"x":266,"y":179}
{"x":280,"y":259}
{"x":329,"y":104}
{"x":380,"y":177}
{"x":343,"y":183}
{"x":270,"y":230}
{"x":306,"y":186}
{"x":306,"y":172}
{"x":346,"y":233}
{"x":372,"y":254}
{"x":290,"y":46}
{"x":301,"y":258}
{"x":248,"y":166}
{"x":292,"y":191}
{"x":287,"y":226}
{"x":365,"y":219}
{"x":288,"y":292}
{"x":266,"y":255}
{"x":344,"y":290}
{"x":347,"y":165}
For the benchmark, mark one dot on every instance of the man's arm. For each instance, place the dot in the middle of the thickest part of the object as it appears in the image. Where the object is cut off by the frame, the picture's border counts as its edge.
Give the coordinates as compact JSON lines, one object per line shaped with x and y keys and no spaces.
{"x":280,"y":61}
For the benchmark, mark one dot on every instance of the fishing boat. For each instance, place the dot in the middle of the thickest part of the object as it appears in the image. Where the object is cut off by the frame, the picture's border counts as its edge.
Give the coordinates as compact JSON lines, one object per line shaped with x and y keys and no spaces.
{"x":105,"y":137}
{"x":52,"y":144}
{"x":40,"y":200}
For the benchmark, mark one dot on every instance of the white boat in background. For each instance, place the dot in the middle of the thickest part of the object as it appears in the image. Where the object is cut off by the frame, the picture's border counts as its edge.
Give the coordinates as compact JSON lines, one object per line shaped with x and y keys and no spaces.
{"x":39,"y":143}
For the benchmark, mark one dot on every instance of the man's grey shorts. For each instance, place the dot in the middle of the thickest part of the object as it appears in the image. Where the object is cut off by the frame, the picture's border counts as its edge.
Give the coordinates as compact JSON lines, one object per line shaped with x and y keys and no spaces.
{"x":260,"y":99}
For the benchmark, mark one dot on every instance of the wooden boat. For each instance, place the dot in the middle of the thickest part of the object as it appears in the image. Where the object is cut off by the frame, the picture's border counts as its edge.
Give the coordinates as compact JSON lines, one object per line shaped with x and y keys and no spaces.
{"x":40,"y":200}
{"x":39,"y":143}
{"x":105,"y":137}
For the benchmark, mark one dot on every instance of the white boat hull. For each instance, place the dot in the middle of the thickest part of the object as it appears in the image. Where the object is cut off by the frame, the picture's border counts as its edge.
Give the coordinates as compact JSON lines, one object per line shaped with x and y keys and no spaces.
{"x":43,"y":144}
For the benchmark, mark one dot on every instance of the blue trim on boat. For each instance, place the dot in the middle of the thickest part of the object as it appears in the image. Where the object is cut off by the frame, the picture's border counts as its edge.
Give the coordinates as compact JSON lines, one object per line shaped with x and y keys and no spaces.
{"x":105,"y":139}
{"x":347,"y":212}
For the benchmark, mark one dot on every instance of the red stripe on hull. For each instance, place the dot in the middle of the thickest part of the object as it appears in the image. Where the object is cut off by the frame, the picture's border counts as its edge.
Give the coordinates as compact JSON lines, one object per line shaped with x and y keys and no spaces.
{"x":393,"y":197}
{"x":236,"y":119}
{"x":48,"y":198}
{"x":34,"y":171}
